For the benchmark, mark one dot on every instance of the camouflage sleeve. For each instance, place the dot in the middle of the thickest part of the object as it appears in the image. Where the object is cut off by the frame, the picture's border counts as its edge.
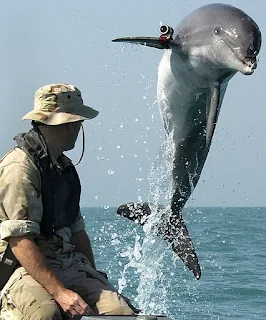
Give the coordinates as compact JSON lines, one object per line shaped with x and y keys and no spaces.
{"x":78,"y":225}
{"x":21,"y":205}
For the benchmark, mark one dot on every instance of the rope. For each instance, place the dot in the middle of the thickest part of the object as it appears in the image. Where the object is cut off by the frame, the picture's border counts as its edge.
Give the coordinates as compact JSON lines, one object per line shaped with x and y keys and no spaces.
{"x":83,"y":146}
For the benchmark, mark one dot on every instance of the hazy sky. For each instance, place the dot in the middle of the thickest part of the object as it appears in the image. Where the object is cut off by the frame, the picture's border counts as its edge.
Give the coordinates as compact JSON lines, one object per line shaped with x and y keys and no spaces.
{"x":70,"y":42}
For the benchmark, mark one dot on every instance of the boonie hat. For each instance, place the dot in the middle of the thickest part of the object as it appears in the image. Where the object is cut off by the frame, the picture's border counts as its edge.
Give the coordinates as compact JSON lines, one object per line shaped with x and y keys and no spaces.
{"x":56,"y":104}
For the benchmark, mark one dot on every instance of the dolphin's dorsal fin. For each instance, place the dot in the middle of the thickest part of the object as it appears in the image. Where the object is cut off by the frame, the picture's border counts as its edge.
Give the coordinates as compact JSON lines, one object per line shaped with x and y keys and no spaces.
{"x":153,"y":42}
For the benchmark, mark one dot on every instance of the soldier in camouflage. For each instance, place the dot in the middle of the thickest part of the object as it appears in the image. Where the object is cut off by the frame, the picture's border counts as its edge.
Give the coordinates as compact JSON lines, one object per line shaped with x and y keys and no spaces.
{"x":40,"y":220}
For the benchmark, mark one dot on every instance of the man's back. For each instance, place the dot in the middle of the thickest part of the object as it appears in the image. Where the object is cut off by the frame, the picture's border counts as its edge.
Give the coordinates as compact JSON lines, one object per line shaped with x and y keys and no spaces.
{"x":20,"y":213}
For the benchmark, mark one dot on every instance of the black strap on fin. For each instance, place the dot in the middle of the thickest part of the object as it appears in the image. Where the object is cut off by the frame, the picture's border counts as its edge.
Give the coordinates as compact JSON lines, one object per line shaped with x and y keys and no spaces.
{"x":8,"y":265}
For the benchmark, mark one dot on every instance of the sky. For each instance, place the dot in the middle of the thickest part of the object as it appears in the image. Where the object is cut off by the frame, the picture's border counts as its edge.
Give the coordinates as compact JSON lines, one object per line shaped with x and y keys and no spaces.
{"x":70,"y":42}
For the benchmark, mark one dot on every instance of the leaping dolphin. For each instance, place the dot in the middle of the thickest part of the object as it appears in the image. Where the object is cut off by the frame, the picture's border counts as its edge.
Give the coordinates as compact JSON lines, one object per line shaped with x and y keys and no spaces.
{"x":204,"y":52}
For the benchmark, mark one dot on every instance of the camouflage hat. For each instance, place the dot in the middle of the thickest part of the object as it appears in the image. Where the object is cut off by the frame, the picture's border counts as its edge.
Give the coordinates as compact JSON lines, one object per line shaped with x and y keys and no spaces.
{"x":56,"y":104}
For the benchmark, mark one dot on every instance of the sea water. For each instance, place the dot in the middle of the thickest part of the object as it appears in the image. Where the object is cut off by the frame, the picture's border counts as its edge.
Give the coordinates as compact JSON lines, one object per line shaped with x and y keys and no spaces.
{"x":231,"y":246}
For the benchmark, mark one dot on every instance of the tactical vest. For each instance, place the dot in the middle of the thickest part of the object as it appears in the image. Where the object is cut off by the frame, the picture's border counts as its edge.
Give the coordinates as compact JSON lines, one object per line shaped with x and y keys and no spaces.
{"x":60,"y":190}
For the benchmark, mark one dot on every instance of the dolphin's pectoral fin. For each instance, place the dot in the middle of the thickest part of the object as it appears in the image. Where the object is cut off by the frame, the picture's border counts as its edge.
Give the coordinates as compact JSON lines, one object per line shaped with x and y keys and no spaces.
{"x":212,"y":112}
{"x":174,"y":231}
{"x":178,"y":236}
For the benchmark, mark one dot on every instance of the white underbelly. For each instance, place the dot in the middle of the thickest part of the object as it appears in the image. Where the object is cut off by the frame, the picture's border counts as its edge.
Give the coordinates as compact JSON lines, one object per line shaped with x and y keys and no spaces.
{"x":181,"y":96}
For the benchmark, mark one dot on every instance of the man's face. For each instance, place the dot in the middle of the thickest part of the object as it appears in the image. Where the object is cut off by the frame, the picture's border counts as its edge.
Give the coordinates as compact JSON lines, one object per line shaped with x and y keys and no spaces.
{"x":72,"y":131}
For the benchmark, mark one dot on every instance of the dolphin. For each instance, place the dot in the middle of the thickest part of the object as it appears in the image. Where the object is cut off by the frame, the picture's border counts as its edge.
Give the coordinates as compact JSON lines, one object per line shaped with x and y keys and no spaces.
{"x":202,"y":54}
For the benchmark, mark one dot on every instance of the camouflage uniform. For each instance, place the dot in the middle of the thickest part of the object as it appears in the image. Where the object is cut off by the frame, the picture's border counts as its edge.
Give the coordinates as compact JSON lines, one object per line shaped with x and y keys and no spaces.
{"x":21,"y":214}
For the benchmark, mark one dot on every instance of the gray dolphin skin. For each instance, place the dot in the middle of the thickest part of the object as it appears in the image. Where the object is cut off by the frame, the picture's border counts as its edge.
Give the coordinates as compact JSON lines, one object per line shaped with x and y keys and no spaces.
{"x":202,"y":54}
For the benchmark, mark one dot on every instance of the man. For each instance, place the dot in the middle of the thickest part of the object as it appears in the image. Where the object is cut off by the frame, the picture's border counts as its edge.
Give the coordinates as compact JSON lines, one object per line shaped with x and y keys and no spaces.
{"x":41,"y":222}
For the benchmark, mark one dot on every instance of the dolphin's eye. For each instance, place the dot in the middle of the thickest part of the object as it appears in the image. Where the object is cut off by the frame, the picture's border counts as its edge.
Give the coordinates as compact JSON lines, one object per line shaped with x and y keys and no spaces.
{"x":217,"y":31}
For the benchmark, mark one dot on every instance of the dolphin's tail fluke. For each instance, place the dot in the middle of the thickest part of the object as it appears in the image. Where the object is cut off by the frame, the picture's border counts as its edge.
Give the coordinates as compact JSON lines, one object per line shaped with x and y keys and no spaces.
{"x":173,"y":230}
{"x":135,"y":211}
{"x":177,"y":235}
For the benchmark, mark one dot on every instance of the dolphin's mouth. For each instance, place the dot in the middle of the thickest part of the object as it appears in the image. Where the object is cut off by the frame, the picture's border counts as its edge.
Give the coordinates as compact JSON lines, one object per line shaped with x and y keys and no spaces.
{"x":249,"y":63}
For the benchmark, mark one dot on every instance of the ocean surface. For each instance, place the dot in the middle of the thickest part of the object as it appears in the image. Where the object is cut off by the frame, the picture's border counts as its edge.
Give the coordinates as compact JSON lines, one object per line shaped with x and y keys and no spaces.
{"x":231,"y":246}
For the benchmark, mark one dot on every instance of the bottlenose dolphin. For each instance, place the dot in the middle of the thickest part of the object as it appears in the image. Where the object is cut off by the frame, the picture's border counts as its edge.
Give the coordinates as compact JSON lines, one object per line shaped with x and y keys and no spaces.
{"x":204,"y":52}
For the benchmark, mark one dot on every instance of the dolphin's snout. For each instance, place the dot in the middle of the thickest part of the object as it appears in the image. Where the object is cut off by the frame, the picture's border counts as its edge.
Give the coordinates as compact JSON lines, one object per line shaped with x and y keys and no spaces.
{"x":250,"y":64}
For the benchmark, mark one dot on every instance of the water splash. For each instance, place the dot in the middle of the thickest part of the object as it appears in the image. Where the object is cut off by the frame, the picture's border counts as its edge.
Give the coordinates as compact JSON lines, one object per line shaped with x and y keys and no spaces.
{"x":148,"y":258}
{"x":154,"y":282}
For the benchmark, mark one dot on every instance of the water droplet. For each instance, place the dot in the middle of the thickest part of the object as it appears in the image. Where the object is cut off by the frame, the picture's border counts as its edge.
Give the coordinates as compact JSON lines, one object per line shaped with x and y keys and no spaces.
{"x":111,"y":172}
{"x":106,"y":206}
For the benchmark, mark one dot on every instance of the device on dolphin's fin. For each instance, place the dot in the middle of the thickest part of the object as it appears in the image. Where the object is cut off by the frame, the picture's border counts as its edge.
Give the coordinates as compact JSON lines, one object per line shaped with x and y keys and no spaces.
{"x":172,"y":229}
{"x":166,"y":35}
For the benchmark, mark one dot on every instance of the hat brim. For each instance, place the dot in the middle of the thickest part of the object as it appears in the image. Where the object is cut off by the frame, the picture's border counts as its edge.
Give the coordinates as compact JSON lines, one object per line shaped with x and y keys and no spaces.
{"x":57,"y":117}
